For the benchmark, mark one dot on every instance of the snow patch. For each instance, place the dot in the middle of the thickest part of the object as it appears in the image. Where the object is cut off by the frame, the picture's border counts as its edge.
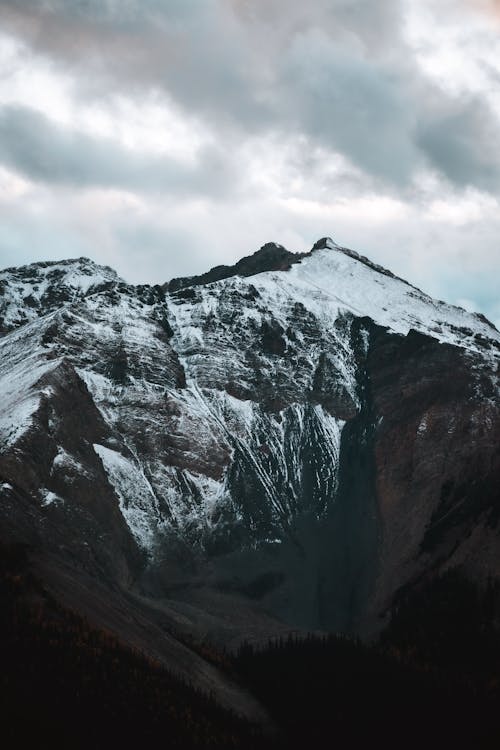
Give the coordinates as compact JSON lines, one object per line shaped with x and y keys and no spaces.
{"x":137,"y":500}
{"x":21,"y":368}
{"x":335,"y":280}
{"x":50,"y":498}
{"x":29,"y":291}
{"x":67,"y":462}
{"x":422,"y":427}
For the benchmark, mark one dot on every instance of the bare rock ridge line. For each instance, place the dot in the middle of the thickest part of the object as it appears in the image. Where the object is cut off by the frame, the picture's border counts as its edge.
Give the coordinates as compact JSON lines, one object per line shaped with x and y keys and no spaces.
{"x":281,"y":444}
{"x":270,"y":257}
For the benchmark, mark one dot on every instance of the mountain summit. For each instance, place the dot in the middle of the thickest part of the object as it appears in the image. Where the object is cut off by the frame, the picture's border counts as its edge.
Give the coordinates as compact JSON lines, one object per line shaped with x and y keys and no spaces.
{"x":270,"y":257}
{"x":286,"y":442}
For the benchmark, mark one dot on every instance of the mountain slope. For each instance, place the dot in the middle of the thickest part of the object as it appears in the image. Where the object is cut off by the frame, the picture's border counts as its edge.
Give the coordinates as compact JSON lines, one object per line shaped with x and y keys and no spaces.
{"x":288,"y":446}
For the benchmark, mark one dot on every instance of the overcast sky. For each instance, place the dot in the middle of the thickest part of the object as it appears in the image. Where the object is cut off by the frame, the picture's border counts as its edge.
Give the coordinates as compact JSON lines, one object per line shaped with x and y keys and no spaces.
{"x":163,"y":137}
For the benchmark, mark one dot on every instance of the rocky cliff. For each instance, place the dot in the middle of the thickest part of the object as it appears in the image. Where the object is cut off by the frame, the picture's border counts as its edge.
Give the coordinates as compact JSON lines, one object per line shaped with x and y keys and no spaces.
{"x":285,"y":443}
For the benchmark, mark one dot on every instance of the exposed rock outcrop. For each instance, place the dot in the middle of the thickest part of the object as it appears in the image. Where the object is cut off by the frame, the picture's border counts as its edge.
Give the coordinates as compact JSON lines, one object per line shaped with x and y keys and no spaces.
{"x":288,"y":440}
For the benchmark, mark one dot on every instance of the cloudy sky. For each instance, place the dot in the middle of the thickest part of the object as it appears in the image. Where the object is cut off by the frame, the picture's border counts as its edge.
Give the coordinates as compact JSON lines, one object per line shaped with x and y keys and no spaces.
{"x":166,"y":136}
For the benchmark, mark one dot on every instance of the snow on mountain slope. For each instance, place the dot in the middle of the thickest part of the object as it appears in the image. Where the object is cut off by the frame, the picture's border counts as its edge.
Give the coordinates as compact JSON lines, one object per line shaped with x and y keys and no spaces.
{"x":302,"y":314}
{"x":30,"y":291}
{"x":226,"y":402}
{"x":22,"y":366}
{"x":339,"y":279}
{"x":138,"y":502}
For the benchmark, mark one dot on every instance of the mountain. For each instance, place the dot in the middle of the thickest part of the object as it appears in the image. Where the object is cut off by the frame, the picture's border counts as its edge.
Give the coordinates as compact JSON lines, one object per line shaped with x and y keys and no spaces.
{"x":288,"y":443}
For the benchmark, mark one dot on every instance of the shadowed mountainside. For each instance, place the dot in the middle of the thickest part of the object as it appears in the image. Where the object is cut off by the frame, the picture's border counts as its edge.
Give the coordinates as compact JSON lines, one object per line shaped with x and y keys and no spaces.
{"x":283,"y":447}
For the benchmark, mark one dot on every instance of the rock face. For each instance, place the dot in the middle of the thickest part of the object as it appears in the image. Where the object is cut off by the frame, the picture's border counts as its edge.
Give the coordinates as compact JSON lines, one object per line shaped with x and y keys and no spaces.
{"x":289,"y":440}
{"x":270,"y":257}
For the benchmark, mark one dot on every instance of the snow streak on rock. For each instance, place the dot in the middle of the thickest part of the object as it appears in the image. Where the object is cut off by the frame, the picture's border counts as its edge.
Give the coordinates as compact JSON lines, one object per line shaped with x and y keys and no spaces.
{"x":22,"y":365}
{"x":225,"y":402}
{"x":137,"y":499}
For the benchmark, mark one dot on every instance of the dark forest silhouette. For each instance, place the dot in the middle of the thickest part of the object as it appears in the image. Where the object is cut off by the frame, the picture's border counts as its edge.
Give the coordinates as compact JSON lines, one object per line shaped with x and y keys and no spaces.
{"x":431,"y":680}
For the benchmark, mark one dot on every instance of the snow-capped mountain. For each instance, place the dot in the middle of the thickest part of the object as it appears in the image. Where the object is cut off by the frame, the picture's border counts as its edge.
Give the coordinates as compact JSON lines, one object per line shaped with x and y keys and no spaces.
{"x":300,"y":434}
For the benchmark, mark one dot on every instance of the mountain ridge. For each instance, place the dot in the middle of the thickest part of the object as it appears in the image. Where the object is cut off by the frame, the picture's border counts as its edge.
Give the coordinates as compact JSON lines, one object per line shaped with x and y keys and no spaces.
{"x":271,"y":257}
{"x":287,"y":449}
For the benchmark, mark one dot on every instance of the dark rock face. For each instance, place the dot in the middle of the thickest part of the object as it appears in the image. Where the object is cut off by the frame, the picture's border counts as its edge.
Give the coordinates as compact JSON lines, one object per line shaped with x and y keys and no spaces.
{"x":438,"y":493}
{"x":270,"y":257}
{"x":56,"y":476}
{"x":283,"y":450}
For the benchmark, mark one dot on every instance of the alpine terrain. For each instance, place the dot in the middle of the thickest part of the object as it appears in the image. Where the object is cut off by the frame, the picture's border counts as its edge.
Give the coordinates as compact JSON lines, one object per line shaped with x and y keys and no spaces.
{"x":285,"y":445}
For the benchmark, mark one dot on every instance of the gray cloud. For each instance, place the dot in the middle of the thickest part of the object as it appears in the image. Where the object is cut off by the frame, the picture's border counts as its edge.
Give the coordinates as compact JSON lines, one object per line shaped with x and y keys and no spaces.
{"x":46,"y":152}
{"x":463,"y":141}
{"x":337,"y":71}
{"x":352,"y":106}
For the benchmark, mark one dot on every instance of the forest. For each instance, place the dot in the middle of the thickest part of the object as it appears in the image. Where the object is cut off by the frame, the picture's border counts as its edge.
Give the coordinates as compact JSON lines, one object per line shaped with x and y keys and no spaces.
{"x":65,"y":684}
{"x":432,"y":679}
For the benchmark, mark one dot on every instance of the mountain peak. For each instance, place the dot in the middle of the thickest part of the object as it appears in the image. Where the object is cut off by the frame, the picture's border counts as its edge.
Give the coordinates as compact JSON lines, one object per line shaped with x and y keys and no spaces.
{"x":269,"y":257}
{"x":212,"y":418}
{"x":325,"y":243}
